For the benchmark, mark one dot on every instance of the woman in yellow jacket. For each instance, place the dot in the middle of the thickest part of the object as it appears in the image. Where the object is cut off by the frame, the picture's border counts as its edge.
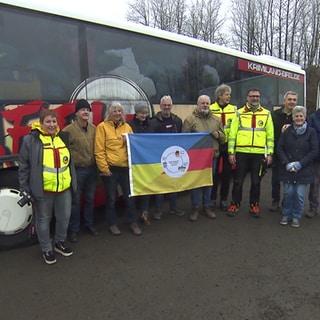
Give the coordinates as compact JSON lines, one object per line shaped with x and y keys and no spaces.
{"x":112,"y":161}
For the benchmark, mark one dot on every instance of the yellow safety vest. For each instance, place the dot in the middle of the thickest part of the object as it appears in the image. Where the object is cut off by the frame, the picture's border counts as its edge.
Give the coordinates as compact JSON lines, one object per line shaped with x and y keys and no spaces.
{"x":226,"y":115}
{"x":56,"y":158}
{"x":251,"y":132}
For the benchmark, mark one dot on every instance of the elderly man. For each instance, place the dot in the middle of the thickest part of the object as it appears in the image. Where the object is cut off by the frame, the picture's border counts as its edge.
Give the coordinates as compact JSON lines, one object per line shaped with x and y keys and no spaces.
{"x":202,"y":120}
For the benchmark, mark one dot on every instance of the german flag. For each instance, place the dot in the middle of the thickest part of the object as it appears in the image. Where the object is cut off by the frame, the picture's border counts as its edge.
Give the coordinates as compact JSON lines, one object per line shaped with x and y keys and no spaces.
{"x":164,"y":163}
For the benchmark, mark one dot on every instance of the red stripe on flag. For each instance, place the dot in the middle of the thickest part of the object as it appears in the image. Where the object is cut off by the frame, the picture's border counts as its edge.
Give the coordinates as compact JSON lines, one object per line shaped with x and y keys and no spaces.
{"x":200,"y":158}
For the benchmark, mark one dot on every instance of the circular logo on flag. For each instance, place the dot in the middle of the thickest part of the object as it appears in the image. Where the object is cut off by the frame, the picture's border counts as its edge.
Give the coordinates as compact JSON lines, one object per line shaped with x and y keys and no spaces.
{"x":175,"y":161}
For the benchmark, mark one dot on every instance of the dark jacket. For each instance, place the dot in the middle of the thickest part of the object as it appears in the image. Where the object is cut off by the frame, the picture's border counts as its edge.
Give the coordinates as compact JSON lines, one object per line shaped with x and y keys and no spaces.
{"x":314,"y":122}
{"x":303,"y":148}
{"x":279,"y":119}
{"x":171,"y":125}
{"x":31,"y":163}
{"x":140,"y":126}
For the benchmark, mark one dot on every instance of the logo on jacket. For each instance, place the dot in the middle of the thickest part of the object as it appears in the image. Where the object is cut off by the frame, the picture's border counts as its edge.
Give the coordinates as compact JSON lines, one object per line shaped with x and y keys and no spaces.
{"x":260,"y":123}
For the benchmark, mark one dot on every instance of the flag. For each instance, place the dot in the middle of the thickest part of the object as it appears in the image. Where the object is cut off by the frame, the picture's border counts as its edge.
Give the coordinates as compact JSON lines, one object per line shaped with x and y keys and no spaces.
{"x":164,"y":163}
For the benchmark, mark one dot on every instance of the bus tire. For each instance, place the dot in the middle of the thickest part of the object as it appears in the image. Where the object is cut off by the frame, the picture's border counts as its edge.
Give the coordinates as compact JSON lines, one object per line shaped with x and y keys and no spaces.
{"x":22,"y":231}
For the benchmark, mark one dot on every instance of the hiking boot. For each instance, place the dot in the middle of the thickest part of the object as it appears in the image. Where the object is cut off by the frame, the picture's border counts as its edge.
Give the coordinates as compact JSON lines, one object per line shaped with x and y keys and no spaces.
{"x":194,"y":214}
{"x":295,"y":223}
{"x":177,"y":212}
{"x":274,"y":206}
{"x":233,"y":210}
{"x":157,"y":215}
{"x":223,"y":205}
{"x":209,"y":213}
{"x":284,"y":221}
{"x":49,"y":257}
{"x":63,"y":249}
{"x":255,"y":210}
{"x":135,"y":229}
{"x":311,"y":213}
{"x":145,"y":218}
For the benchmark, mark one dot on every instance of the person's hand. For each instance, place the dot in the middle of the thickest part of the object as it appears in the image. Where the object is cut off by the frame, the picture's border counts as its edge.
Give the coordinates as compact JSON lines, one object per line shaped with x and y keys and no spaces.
{"x":290,"y":167}
{"x":285,"y":127}
{"x":297,"y":165}
{"x":216,"y":134}
{"x":232,"y":159}
{"x":269,"y":160}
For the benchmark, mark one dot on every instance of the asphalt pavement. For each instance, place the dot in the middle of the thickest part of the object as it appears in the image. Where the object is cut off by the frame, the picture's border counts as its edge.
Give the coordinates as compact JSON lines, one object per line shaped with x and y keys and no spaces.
{"x":226,"y":268}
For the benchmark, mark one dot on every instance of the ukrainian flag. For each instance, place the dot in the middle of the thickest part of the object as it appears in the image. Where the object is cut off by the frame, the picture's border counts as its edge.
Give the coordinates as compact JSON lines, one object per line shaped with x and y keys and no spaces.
{"x":164,"y":163}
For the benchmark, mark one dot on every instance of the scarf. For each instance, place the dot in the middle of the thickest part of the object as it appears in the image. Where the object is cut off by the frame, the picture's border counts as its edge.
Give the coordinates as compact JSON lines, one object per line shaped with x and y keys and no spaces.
{"x":300,"y":129}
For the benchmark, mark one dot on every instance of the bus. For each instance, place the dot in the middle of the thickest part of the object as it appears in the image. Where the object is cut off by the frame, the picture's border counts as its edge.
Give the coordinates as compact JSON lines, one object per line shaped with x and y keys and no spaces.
{"x":53,"y":54}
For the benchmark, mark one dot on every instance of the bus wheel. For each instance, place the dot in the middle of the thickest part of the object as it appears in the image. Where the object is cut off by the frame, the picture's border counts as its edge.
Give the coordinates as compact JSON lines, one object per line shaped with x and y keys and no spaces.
{"x":16,"y":223}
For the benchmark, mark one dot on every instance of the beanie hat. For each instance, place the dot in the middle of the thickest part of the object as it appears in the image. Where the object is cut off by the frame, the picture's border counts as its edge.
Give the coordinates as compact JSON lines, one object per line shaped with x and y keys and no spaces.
{"x":138,"y":107}
{"x":82,"y":103}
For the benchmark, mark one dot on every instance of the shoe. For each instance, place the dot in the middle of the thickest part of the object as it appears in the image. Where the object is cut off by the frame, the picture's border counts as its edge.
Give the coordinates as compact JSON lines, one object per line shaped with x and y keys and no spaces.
{"x":157,"y":215}
{"x":177,"y":212}
{"x":135,"y":229}
{"x":223,"y":205}
{"x":144,"y":217}
{"x":233,"y":210}
{"x":213,"y":204}
{"x":274,"y":206}
{"x":92,"y":230}
{"x":209,"y":213}
{"x":284,"y":221}
{"x":194,"y":214}
{"x":63,"y":249}
{"x":295,"y":223}
{"x":311,"y":213}
{"x":73,"y":237}
{"x":114,"y":230}
{"x":254,"y":210}
{"x":49,"y":257}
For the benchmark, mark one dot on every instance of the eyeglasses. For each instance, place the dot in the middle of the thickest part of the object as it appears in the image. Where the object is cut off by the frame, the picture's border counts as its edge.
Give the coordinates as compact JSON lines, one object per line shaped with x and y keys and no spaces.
{"x":254,"y":97}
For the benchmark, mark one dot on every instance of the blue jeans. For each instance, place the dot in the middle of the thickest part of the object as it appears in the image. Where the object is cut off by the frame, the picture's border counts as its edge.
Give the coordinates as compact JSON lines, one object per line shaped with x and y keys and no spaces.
{"x":87,"y":179}
{"x":120,"y":176}
{"x":206,"y":196}
{"x":60,"y":204}
{"x":293,"y":200}
{"x":172,"y":201}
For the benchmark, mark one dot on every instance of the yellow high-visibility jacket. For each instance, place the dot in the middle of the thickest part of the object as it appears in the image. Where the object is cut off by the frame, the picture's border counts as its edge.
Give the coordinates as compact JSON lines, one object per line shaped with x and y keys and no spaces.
{"x":251,"y":132}
{"x":226,"y":115}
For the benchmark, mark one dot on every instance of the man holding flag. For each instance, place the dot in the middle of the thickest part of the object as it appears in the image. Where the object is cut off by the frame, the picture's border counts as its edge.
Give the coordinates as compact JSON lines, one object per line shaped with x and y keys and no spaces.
{"x":202,"y":120}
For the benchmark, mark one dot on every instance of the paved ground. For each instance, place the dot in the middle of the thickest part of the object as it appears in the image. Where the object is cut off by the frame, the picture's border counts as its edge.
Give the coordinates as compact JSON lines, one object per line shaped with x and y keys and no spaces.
{"x":228,"y":268}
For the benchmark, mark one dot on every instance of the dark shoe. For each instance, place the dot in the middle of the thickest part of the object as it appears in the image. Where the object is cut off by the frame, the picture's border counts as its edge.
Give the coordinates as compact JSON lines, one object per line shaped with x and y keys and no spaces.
{"x":254,"y":210}
{"x":284,"y":221}
{"x":177,"y":212}
{"x":157,"y":215}
{"x":114,"y":230}
{"x":295,"y":223}
{"x":135,"y":229}
{"x":63,"y":249}
{"x":311,"y":213}
{"x":194,"y":214}
{"x":223,"y":205}
{"x":274,"y":207}
{"x":73,"y":237}
{"x":233,"y":210}
{"x":209,"y":213}
{"x":92,"y":230}
{"x":213,"y":203}
{"x":49,"y":257}
{"x":145,"y":218}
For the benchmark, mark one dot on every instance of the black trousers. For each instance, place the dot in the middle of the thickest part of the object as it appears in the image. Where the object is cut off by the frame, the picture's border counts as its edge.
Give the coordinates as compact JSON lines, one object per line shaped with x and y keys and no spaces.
{"x":247,"y":162}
